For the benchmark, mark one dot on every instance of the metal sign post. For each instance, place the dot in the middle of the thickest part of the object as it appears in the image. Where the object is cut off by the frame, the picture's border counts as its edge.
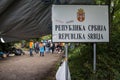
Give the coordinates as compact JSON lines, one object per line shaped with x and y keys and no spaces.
{"x":94,"y":61}
{"x":66,"y":61}
{"x":94,"y":58}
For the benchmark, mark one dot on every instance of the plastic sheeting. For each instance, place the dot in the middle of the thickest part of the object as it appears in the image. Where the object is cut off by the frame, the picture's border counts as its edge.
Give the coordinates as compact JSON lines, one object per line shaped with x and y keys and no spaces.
{"x":25,"y":19}
{"x":60,"y":74}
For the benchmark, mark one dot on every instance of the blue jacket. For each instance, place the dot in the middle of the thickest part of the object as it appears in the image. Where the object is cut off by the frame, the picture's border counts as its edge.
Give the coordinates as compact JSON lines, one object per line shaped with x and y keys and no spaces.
{"x":42,"y":49}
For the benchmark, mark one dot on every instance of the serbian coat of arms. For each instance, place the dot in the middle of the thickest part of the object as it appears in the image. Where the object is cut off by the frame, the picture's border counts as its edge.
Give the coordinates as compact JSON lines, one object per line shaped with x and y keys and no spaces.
{"x":80,"y":15}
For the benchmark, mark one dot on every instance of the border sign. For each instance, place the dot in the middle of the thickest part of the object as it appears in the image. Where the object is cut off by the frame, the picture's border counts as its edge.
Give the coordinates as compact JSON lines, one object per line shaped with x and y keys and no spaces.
{"x":80,"y":23}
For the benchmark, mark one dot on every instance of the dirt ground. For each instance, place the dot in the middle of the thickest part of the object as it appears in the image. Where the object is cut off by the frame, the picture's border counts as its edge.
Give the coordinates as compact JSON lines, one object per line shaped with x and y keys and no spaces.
{"x":25,"y":67}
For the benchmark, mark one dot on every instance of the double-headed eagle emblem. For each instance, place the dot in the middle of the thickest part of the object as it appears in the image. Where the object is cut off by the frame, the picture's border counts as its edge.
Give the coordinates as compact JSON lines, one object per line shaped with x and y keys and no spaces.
{"x":80,"y":15}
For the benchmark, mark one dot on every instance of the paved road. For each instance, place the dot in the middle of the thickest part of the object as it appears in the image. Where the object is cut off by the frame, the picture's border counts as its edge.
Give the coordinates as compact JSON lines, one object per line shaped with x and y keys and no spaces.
{"x":27,"y":68}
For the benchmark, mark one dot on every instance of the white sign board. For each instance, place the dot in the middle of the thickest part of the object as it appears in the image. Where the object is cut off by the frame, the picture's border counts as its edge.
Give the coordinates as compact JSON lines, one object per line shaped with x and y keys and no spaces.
{"x":80,"y":23}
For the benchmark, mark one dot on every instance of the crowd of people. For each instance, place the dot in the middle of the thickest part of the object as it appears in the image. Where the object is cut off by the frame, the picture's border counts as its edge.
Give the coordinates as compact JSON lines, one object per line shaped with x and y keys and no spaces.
{"x":45,"y":47}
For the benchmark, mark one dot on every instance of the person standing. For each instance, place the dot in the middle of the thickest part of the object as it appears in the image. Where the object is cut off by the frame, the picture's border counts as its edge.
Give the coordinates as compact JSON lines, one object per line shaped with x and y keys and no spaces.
{"x":52,"y":47}
{"x":31,"y":46}
{"x":36,"y":47}
{"x":42,"y":49}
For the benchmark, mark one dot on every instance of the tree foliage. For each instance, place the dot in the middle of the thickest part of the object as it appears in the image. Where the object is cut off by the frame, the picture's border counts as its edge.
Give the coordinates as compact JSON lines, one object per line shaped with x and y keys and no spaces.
{"x":108,"y":54}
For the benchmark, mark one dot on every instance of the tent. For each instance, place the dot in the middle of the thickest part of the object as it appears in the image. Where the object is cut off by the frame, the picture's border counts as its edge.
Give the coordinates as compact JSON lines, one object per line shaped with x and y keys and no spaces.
{"x":25,"y":19}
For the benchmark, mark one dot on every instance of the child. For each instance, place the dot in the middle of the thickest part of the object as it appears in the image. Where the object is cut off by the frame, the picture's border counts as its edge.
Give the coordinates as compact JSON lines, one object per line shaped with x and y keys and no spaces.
{"x":41,"y":48}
